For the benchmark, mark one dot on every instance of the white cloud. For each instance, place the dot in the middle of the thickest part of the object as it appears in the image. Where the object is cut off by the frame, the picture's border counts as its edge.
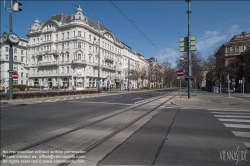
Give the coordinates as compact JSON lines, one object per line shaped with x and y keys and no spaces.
{"x":208,"y":40}
{"x":169,"y":53}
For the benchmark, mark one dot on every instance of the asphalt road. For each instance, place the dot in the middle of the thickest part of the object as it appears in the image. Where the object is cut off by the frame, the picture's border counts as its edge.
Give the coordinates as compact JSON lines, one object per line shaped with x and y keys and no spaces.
{"x":22,"y":122}
{"x":190,"y":137}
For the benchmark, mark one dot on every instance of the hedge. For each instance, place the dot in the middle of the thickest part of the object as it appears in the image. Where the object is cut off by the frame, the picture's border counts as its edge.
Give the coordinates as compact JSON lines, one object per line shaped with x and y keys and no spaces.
{"x":46,"y":94}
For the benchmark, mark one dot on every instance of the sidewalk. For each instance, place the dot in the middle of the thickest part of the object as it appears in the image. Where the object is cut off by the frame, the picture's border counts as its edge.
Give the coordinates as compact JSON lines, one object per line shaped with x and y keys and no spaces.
{"x":210,"y":100}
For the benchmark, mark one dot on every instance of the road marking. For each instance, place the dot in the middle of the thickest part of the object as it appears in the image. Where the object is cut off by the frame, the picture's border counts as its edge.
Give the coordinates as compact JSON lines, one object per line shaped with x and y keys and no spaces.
{"x":47,"y":100}
{"x":230,"y":113}
{"x":234,"y":120}
{"x":230,"y":116}
{"x":64,"y":98}
{"x":241,"y":133}
{"x":77,"y":97}
{"x":107,"y":103}
{"x":237,"y":125}
{"x":228,"y":109}
{"x":56,"y":99}
{"x":83,"y":96}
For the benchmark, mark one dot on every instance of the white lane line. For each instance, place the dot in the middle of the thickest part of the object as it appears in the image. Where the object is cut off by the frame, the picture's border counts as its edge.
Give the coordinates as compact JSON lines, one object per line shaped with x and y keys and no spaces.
{"x":233,"y":113}
{"x":247,"y":144}
{"x":241,"y":133}
{"x":234,"y":120}
{"x":230,"y":116}
{"x":108,"y":103}
{"x":83,"y":96}
{"x":225,"y":110}
{"x":71,"y":98}
{"x":64,"y":98}
{"x":47,"y":100}
{"x":77,"y":97}
{"x":237,"y":125}
{"x":56,"y":99}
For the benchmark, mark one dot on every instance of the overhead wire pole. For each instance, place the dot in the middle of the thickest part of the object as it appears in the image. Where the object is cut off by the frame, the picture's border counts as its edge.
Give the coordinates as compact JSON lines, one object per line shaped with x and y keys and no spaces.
{"x":10,"y":92}
{"x":189,"y":52}
{"x":128,"y":74}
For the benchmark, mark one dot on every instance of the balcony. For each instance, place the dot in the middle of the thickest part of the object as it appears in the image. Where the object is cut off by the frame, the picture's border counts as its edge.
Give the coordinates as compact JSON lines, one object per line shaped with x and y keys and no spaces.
{"x":107,"y":58}
{"x":93,"y":64}
{"x":82,"y":62}
{"x":108,"y":67}
{"x":54,"y":63}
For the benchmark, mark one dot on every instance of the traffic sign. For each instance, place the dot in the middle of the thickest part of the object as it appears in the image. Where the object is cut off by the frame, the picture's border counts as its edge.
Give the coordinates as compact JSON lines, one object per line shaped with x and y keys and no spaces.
{"x":233,"y":83}
{"x":15,"y":75}
{"x":180,"y":73}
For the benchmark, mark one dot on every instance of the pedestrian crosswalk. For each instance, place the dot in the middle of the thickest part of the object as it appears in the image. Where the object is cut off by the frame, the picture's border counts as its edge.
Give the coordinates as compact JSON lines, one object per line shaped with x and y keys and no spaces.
{"x":68,"y":98}
{"x":238,"y":122}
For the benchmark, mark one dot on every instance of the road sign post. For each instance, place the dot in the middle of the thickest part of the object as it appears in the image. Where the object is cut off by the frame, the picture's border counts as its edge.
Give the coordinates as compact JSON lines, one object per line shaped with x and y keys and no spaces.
{"x":243,"y":82}
{"x":228,"y":84}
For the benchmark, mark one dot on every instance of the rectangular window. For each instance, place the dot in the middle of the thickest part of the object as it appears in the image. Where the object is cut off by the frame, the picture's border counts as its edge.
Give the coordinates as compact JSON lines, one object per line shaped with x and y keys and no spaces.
{"x":26,"y":75}
{"x":79,"y":56}
{"x":22,"y":82}
{"x":68,"y":45}
{"x":67,"y":58}
{"x":56,"y":36}
{"x":21,"y":52}
{"x":34,"y":41}
{"x":67,"y":69}
{"x":89,"y":37}
{"x":67,"y":35}
{"x":22,"y":59}
{"x":62,"y":46}
{"x":79,"y":44}
{"x":21,"y":75}
{"x":15,"y":58}
{"x":62,"y":36}
{"x":37,"y":40}
{"x":6,"y":49}
{"x":7,"y":57}
{"x":62,"y":58}
{"x":79,"y":33}
{"x":74,"y":33}
{"x":84,"y":34}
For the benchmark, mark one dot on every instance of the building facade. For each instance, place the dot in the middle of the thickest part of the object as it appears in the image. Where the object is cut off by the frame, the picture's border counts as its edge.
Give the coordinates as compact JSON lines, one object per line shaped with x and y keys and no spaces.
{"x":64,"y":51}
{"x":19,"y":61}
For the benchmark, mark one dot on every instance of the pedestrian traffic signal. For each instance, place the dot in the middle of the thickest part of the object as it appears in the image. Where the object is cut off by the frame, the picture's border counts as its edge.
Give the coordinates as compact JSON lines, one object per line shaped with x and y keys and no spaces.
{"x":16,"y":6}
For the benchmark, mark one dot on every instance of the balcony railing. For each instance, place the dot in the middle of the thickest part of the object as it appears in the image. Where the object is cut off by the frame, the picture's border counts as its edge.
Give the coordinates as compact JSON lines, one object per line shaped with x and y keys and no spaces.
{"x":108,"y":67}
{"x":83,"y":62}
{"x":54,"y":63}
{"x":108,"y":58}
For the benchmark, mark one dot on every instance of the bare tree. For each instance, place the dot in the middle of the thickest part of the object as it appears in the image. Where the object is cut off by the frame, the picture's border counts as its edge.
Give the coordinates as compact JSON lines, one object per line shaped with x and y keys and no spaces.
{"x":169,"y":73}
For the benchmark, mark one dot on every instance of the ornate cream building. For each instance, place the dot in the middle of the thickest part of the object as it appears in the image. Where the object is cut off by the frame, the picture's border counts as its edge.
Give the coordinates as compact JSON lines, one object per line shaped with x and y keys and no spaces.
{"x":64,"y":50}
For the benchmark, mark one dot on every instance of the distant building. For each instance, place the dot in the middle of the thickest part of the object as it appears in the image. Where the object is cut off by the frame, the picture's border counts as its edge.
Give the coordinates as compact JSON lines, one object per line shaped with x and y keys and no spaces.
{"x":19,"y":61}
{"x":155,"y":73}
{"x":231,"y":58}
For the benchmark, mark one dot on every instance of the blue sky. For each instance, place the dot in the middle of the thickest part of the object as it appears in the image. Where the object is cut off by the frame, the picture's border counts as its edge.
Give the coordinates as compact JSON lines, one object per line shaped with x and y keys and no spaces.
{"x":162,"y":22}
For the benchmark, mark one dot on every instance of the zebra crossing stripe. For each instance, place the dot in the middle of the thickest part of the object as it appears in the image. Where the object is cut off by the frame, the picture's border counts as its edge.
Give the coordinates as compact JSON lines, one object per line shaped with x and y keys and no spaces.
{"x":241,"y":133}
{"x":234,"y":120}
{"x":237,"y":125}
{"x":230,"y":113}
{"x":230,"y":116}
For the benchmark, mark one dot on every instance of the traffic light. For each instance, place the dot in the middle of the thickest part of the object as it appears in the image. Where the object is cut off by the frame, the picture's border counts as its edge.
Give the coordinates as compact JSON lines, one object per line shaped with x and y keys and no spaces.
{"x":16,"y":6}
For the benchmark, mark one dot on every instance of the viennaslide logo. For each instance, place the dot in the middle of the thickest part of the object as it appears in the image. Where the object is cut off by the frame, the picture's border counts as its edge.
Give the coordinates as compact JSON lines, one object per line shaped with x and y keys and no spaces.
{"x":233,"y":155}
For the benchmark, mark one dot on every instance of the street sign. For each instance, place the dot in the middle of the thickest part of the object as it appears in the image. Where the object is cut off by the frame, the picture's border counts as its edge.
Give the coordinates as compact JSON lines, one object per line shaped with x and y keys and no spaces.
{"x":189,"y":77}
{"x":15,"y":75}
{"x":233,"y":83}
{"x":240,"y":81}
{"x":228,"y":81}
{"x":243,"y":80}
{"x":233,"y":79}
{"x":178,"y":78}
{"x":180,"y":73}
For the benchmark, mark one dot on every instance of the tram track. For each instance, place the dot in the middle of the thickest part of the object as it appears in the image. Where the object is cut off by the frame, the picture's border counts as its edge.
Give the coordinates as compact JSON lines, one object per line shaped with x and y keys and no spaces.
{"x":99,"y":142}
{"x":86,"y":125}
